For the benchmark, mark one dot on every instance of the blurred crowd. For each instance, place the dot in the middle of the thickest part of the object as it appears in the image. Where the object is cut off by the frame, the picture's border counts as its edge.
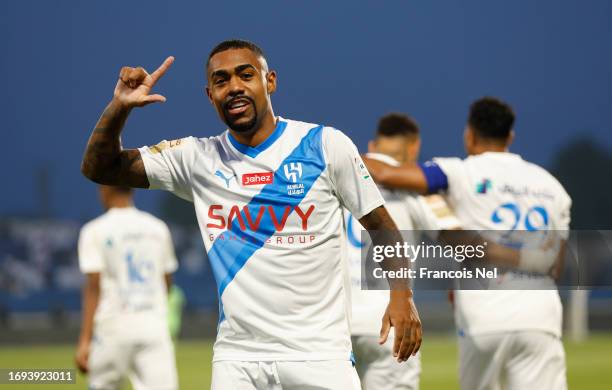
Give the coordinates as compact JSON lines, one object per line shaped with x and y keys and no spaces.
{"x":39,"y":266}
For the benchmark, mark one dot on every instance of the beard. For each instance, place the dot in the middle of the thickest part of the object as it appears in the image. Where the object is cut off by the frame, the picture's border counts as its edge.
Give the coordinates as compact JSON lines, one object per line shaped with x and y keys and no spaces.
{"x":232,"y":122}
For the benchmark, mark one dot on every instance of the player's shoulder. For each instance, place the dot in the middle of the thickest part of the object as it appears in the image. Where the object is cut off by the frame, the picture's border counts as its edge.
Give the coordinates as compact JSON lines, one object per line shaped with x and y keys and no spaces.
{"x":448,"y":165}
{"x":543,"y":175}
{"x":297,"y":125}
{"x":149,"y":220}
{"x":447,"y":160}
{"x":208,"y":141}
{"x":305,"y":128}
{"x":190,"y":145}
{"x":320,"y":136}
{"x":94,"y":227}
{"x":191,"y":148}
{"x":173,"y":145}
{"x":94,"y":224}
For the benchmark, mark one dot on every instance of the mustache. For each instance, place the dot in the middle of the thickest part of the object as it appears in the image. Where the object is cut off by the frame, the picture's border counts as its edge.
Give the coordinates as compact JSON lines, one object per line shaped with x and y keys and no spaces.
{"x":230,"y":100}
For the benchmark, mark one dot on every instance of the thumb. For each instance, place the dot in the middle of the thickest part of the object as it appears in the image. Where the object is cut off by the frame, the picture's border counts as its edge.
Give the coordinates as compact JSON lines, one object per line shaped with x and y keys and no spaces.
{"x":153,"y":99}
{"x":384,"y":330}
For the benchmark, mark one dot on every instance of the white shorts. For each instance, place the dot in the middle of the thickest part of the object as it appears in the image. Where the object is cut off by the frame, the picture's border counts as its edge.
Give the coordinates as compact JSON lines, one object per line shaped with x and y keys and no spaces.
{"x":379,"y":370}
{"x":149,"y":365}
{"x":284,"y":375}
{"x":512,"y":361}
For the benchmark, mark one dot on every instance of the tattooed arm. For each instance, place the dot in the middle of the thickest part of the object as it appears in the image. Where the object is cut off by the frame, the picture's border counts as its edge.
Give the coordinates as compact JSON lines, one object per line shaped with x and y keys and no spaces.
{"x":105,"y":161}
{"x":401,"y":312}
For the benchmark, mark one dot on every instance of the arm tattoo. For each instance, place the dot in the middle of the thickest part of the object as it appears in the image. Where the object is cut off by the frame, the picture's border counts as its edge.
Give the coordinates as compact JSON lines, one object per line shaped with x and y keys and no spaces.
{"x":105,"y":161}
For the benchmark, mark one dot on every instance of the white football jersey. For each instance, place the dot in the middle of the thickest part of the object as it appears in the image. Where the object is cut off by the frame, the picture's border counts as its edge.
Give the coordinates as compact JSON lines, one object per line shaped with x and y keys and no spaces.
{"x":410,"y":212}
{"x":271,"y":220}
{"x":132,"y":250}
{"x":501,"y":191}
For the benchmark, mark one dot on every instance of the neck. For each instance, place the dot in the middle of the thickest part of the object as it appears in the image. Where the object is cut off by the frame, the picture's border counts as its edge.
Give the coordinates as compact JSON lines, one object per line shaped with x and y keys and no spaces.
{"x":120,"y":203}
{"x":489,"y":147}
{"x":259,"y":135}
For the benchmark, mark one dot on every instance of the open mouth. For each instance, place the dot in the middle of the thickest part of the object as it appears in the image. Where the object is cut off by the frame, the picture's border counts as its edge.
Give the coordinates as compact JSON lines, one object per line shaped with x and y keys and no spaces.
{"x":237,"y":106}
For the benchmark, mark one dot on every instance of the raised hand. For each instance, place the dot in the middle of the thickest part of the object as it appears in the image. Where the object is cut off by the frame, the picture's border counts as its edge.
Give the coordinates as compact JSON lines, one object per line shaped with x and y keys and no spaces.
{"x":135,"y":84}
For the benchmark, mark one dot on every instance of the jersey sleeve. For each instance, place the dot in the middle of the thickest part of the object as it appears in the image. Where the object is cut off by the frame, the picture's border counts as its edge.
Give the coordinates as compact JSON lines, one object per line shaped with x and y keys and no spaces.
{"x":350,"y":178}
{"x":91,"y":257}
{"x":168,"y":166}
{"x":169,"y":260}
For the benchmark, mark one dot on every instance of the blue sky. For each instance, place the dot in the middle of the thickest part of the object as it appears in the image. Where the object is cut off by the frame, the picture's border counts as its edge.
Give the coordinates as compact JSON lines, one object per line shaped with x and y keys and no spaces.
{"x":339,"y":63}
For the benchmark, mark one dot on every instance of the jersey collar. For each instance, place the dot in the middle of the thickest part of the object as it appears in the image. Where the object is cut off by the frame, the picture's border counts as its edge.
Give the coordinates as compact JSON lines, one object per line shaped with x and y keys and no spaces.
{"x":507,"y":155}
{"x":115,"y":210}
{"x":253,"y":151}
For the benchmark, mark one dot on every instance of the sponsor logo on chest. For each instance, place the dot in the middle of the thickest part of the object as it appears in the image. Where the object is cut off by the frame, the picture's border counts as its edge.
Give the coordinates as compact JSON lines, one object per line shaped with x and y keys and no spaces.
{"x":258,"y":178}
{"x":289,"y":177}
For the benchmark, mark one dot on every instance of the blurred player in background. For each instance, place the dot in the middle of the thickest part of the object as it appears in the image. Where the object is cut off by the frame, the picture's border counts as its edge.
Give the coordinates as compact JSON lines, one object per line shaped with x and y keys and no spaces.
{"x":397,"y":142}
{"x":511,"y":338}
{"x":128,"y":258}
{"x":268,"y":195}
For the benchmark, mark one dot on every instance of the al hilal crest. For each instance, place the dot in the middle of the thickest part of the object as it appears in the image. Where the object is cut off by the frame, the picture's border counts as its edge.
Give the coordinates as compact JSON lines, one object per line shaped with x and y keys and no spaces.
{"x":293,"y":171}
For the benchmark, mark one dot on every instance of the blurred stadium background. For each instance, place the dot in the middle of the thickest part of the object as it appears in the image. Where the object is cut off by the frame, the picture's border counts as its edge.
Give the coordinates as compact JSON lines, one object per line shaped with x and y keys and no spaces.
{"x":550,"y":59}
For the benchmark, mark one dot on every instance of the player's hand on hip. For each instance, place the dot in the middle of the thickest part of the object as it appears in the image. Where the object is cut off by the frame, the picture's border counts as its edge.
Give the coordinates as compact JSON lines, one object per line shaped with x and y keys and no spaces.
{"x":135,"y":84}
{"x":81,"y":358}
{"x":402,"y":315}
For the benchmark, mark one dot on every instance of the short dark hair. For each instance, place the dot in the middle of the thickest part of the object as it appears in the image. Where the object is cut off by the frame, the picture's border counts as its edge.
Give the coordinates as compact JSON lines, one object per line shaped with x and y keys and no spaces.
{"x":396,"y":124}
{"x":235,"y":44}
{"x":491,"y":117}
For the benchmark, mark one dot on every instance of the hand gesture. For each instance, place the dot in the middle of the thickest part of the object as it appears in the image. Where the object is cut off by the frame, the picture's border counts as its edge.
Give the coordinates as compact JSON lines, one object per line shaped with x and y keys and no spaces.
{"x":135,"y":84}
{"x":402,"y":315}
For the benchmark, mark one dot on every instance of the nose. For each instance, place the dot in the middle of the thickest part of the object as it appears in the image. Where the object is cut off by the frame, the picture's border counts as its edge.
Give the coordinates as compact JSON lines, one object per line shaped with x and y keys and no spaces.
{"x":235,"y":86}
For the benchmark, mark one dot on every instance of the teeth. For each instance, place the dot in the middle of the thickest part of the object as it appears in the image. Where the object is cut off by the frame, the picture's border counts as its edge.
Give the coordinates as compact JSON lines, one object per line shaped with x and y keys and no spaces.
{"x":238,"y":104}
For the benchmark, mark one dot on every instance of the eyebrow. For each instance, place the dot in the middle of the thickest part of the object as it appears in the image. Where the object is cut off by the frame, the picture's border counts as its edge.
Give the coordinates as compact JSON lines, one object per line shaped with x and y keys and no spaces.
{"x":237,"y":69}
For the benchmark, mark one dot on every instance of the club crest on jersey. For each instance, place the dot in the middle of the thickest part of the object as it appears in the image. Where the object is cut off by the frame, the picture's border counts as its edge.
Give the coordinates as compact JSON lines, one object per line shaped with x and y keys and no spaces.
{"x":226,"y":179}
{"x":483,"y":186}
{"x":293,"y":172}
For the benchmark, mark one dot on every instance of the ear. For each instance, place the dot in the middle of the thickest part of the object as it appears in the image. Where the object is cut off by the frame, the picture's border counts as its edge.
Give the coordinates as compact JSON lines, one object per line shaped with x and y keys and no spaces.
{"x":271,"y":82}
{"x":413,"y":149}
{"x":371,"y":146}
{"x":510,"y":139}
{"x":210,"y":99}
{"x":468,"y":139}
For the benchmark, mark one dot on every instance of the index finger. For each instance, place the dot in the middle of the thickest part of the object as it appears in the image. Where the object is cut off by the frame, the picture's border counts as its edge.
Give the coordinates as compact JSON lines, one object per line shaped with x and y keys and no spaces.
{"x":159,"y":72}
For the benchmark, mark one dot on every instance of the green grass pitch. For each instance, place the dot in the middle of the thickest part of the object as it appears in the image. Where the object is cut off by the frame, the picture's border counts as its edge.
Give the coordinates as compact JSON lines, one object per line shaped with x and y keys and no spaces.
{"x":589,"y":363}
